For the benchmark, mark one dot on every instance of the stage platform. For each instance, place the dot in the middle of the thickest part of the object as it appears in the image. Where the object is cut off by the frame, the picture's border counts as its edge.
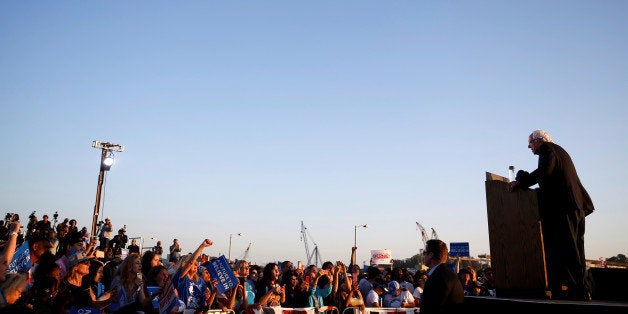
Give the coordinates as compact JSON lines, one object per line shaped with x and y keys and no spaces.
{"x":489,"y":305}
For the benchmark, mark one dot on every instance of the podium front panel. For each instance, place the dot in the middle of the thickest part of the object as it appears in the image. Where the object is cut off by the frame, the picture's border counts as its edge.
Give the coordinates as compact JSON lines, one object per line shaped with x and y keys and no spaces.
{"x":516,"y":241}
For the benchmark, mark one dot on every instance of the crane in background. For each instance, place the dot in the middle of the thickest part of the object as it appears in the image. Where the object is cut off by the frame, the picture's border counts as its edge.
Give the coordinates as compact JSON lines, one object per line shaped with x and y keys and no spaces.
{"x":309,"y":255}
{"x":434,"y":234}
{"x":424,"y":239}
{"x":245,"y":255}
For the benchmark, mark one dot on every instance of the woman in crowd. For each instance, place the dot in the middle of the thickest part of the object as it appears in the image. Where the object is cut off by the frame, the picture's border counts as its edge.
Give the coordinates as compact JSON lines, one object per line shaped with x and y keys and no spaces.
{"x":149,"y":260}
{"x":319,"y":286}
{"x":93,"y":282}
{"x":72,"y":293}
{"x":245,"y":295}
{"x":295,"y":291}
{"x":347,"y":296}
{"x":190,"y":286}
{"x":167,"y":298}
{"x":129,"y":282}
{"x":269,"y":291}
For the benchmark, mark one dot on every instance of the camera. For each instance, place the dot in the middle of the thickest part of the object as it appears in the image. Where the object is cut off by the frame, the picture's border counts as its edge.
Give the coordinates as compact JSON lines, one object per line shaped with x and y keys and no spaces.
{"x":32,"y":216}
{"x":8,"y":216}
{"x":55,"y":216}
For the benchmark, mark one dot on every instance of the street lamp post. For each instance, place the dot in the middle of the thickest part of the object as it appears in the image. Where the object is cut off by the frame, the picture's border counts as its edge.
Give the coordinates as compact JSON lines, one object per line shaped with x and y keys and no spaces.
{"x":355,"y":234}
{"x":230,"y":237}
{"x":106,"y":160}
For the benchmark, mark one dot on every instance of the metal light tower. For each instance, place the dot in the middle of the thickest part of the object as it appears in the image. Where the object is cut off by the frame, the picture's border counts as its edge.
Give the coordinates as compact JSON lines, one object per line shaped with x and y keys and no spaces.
{"x":230,"y":237}
{"x":106,"y":160}
{"x":355,"y":234}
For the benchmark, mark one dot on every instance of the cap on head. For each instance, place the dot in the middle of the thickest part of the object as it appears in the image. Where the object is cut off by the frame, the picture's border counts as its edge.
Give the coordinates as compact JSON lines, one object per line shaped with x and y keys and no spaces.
{"x":393,"y":286}
{"x":77,"y":257}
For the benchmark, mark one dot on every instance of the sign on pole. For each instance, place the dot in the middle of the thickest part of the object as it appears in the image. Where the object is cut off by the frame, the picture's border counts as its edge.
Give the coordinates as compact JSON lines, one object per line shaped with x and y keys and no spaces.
{"x":459,"y":249}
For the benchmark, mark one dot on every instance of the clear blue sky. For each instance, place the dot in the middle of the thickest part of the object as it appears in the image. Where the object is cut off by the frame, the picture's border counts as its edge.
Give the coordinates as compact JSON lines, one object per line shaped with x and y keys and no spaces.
{"x":252,"y":116}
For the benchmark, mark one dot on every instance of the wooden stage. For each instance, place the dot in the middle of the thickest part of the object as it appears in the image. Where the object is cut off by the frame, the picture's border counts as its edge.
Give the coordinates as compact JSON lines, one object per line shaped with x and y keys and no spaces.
{"x":489,"y":305}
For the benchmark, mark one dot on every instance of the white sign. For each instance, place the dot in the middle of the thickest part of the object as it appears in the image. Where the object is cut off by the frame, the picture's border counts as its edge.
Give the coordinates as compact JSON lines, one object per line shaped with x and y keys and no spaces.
{"x":379,"y":257}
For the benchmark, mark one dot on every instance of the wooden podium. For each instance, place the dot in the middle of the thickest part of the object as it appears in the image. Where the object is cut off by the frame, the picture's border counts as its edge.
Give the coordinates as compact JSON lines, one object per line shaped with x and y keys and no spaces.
{"x":516,"y":241}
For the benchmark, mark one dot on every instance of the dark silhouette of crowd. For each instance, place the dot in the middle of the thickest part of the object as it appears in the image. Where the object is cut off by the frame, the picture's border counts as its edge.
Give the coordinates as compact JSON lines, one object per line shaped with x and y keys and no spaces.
{"x":66,"y":270}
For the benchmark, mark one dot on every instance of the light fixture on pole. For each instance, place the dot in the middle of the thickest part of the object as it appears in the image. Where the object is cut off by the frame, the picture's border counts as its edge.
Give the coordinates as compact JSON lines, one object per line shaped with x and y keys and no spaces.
{"x":106,"y":160}
{"x":355,"y":233}
{"x":239,"y":234}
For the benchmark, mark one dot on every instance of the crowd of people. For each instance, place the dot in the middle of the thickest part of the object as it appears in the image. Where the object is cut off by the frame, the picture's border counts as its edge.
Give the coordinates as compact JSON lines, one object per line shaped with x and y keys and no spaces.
{"x":67,"y":270}
{"x":58,"y":268}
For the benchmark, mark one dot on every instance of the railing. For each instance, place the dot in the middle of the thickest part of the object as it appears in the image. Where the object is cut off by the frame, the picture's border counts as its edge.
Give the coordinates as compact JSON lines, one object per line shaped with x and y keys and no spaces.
{"x":372,"y":310}
{"x":300,"y":310}
{"x":219,"y":312}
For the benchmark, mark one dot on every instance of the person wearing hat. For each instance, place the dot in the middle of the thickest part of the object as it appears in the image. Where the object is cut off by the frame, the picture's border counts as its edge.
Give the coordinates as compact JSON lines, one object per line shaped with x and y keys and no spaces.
{"x":70,"y":292}
{"x":392,"y":295}
{"x":373,"y":298}
{"x":73,"y":242}
{"x":398,"y":296}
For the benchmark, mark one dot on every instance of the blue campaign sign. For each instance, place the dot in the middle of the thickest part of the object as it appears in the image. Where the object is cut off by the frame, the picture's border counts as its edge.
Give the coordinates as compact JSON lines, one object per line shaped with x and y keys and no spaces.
{"x":21,"y":261}
{"x":459,"y":249}
{"x":219,"y":269}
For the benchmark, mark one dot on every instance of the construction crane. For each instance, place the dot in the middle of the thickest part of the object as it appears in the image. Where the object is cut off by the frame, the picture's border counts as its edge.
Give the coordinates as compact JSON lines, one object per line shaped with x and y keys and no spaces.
{"x":315,"y":253}
{"x":245,"y":255}
{"x":423,"y":234}
{"x":434,"y":234}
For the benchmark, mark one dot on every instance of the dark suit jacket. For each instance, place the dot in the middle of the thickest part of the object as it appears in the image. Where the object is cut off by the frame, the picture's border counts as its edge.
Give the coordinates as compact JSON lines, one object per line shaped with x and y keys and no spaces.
{"x":560,"y":187}
{"x":442,"y":291}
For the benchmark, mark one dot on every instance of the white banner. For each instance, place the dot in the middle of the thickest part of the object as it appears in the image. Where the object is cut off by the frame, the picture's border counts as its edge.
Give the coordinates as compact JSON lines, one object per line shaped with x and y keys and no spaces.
{"x":379,"y":257}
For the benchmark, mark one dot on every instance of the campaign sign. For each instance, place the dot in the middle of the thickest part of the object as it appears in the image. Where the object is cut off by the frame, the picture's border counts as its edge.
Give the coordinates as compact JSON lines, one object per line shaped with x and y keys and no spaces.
{"x":151,"y":290}
{"x":459,"y":249}
{"x":381,"y":257}
{"x":21,"y":261}
{"x":219,"y":269}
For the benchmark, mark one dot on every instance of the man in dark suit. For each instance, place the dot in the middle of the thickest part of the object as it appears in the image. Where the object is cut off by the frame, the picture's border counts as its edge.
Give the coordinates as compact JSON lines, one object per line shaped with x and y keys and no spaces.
{"x":563,"y":205}
{"x":442,"y":291}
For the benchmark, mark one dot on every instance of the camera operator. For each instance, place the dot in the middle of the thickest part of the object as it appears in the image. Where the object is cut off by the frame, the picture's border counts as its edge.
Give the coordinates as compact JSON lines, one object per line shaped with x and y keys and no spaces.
{"x":118,"y":242}
{"x":105,"y":234}
{"x":43,"y":226}
{"x":31,"y":228}
{"x":55,"y":217}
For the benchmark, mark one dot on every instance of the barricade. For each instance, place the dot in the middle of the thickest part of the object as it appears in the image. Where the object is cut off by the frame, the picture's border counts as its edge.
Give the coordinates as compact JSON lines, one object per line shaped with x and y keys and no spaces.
{"x":218,"y":311}
{"x":300,"y":310}
{"x":382,"y":310}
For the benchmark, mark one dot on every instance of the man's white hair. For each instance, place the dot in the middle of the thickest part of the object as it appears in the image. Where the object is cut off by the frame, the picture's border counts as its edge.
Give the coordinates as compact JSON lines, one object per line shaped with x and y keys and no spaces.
{"x":541,"y":135}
